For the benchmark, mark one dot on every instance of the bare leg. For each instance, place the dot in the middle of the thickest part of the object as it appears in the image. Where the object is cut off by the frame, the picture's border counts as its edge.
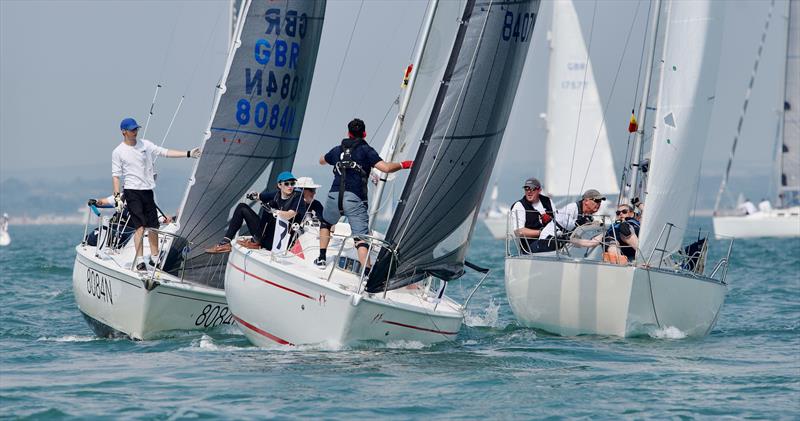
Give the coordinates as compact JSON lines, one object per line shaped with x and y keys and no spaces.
{"x":362,"y":255}
{"x":137,"y":242}
{"x":324,"y":238}
{"x":152,"y":235}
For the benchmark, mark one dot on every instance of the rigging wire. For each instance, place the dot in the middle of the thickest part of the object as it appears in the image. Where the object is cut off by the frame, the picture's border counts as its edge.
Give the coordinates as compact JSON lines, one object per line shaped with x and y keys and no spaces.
{"x":608,"y":100}
{"x":580,"y":104}
{"x":341,"y":66}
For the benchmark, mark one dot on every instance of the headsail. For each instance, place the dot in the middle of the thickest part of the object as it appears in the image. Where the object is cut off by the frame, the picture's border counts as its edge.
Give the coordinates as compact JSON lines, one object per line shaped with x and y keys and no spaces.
{"x":437,"y":211}
{"x":578,"y":150}
{"x":789,"y":186}
{"x":688,"y":75}
{"x":258,"y":114}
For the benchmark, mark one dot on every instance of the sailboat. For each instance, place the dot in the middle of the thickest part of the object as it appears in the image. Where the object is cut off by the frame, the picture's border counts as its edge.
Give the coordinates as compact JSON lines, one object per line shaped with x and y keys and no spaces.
{"x":255,"y":124}
{"x":573,"y":291}
{"x":279,"y":297}
{"x":496,"y":216}
{"x":783,"y":221}
{"x":577,"y":149}
{"x":5,"y":239}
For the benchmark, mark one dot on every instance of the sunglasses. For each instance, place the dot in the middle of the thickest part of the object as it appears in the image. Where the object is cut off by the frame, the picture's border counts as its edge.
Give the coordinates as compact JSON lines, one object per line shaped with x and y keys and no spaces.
{"x":622,"y":212}
{"x":598,"y":201}
{"x":289,"y":183}
{"x":531,"y":188}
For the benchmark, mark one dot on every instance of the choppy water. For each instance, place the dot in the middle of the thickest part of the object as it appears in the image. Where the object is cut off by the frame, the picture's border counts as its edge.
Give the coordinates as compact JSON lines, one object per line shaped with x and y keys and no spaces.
{"x":52,"y":367}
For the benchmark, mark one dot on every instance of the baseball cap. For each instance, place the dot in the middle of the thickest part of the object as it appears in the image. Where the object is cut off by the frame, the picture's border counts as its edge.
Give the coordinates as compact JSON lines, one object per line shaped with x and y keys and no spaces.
{"x":286,"y":176}
{"x":128,"y":124}
{"x":533,"y":183}
{"x":593,"y":194}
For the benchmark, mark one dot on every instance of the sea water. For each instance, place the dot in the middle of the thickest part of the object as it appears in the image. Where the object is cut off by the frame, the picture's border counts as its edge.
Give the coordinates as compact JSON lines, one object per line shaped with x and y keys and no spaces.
{"x":748,"y":367}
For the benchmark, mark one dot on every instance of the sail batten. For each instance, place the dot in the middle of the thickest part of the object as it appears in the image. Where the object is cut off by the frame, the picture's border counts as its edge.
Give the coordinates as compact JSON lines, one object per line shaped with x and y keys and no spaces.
{"x":436,"y":215}
{"x":256,"y":123}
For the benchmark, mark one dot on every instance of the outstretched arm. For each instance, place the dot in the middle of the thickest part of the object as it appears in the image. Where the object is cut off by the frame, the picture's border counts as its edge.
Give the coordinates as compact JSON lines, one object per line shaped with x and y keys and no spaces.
{"x":194,"y":153}
{"x":390,"y":167}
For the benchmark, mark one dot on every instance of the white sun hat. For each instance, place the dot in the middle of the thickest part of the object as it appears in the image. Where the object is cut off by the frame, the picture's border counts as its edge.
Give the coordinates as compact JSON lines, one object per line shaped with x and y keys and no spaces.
{"x":307,"y":183}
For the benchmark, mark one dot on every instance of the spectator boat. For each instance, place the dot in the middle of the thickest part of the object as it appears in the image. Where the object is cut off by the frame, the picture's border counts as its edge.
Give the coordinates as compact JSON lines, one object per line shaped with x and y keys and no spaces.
{"x":573,"y":290}
{"x":185,"y":291}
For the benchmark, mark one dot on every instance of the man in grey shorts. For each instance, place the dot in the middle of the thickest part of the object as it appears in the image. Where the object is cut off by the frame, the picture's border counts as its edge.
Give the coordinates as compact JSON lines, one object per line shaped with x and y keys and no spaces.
{"x":352,"y":162}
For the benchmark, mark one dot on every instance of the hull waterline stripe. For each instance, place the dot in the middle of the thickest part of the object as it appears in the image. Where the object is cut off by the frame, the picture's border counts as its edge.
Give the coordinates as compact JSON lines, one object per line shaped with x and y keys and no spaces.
{"x":271,"y":283}
{"x":263,"y":332}
{"x":419,"y":328}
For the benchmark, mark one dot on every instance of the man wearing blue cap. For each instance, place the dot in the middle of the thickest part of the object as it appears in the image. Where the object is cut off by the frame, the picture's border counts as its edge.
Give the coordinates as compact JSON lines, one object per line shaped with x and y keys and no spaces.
{"x":132,"y":170}
{"x":285,"y":203}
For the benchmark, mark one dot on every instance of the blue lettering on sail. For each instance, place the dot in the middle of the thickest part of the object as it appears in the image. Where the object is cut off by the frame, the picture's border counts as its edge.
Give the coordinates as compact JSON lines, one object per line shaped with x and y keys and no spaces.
{"x":252,"y":82}
{"x":262,"y":50}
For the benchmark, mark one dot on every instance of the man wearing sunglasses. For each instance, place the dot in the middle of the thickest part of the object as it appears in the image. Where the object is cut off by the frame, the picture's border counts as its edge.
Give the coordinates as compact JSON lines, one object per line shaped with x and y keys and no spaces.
{"x":531,"y":213}
{"x":285,"y":203}
{"x":566,"y":220}
{"x":623,"y":236}
{"x":132,"y":170}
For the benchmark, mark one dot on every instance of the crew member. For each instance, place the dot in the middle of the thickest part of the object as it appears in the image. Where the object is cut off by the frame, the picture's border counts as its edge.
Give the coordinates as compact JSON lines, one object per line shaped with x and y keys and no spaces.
{"x":623,"y":235}
{"x":531,"y":213}
{"x":132,"y":167}
{"x":566,"y":220}
{"x":352,"y":162}
{"x":285,"y":203}
{"x":313,"y":210}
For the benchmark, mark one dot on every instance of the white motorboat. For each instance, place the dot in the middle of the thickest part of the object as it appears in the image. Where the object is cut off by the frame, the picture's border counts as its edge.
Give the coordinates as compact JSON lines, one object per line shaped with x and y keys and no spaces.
{"x":453,"y":115}
{"x":186,"y":290}
{"x":575,"y":291}
{"x":783,"y":221}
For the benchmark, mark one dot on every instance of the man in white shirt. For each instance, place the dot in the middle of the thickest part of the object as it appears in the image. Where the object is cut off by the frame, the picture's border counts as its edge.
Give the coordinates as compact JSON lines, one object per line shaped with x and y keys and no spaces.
{"x":530,"y":214}
{"x":748,"y":207}
{"x":764,"y":206}
{"x":566,"y":219}
{"x":132,"y":169}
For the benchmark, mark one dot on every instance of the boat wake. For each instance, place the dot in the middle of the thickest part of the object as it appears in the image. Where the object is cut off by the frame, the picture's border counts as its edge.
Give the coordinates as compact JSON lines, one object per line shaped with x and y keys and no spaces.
{"x":69,"y":338}
{"x":669,"y":332}
{"x":488,"y":318}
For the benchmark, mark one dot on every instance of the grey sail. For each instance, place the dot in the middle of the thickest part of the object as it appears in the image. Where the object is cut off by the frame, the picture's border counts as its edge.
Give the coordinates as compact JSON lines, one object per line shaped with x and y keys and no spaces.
{"x":436,"y":215}
{"x":789,"y":189}
{"x":256,"y":123}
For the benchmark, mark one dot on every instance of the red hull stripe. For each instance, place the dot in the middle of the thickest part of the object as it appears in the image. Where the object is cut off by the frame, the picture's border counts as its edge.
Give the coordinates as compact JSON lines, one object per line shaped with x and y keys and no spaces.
{"x":263,"y":332}
{"x":271,"y":283}
{"x":419,"y":328}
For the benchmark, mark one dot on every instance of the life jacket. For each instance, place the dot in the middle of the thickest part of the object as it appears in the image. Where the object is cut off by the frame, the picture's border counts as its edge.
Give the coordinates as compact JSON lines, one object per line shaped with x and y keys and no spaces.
{"x":348,"y":163}
{"x":533,"y":218}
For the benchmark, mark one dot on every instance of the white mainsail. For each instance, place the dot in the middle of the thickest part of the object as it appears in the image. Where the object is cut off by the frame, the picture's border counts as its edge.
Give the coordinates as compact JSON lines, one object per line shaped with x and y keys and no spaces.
{"x":687,"y":83}
{"x":577,"y":149}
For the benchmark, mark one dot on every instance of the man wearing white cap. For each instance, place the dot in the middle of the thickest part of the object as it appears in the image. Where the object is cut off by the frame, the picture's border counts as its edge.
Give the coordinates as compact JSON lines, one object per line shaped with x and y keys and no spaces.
{"x":314,"y":209}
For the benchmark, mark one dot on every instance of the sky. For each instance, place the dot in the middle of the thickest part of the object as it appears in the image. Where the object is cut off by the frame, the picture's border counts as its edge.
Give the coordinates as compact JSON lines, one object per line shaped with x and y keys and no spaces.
{"x":71,"y":70}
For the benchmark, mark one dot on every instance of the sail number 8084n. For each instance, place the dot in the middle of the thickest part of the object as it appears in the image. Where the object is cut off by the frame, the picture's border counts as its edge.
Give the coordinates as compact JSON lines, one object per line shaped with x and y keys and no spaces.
{"x":213,"y":316}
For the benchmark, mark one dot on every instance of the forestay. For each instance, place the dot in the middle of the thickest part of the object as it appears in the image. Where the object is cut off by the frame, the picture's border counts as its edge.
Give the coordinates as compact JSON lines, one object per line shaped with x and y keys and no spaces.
{"x":257,"y":117}
{"x":577,"y":148}
{"x":790,"y":150}
{"x":436,"y":215}
{"x":688,"y":74}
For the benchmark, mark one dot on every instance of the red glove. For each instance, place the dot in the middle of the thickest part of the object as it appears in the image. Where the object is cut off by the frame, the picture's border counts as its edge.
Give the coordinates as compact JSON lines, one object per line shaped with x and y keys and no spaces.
{"x":546,"y":218}
{"x":407,"y":164}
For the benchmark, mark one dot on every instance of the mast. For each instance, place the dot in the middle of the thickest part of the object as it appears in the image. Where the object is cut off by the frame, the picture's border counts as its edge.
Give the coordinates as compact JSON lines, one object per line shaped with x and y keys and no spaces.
{"x":394,"y":134}
{"x":727,"y":174}
{"x":789,"y":178}
{"x":634,"y":190}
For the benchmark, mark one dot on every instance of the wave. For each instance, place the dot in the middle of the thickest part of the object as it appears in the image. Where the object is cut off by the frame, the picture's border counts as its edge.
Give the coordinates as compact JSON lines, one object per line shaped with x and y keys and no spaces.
{"x":669,"y":332}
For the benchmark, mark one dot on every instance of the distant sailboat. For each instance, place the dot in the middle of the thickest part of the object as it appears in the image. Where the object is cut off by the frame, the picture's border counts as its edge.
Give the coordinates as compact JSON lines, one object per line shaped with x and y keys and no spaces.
{"x":575,"y":291}
{"x":257,"y":116}
{"x":783,"y":221}
{"x":496,"y":216}
{"x":281,"y":297}
{"x":5,"y":239}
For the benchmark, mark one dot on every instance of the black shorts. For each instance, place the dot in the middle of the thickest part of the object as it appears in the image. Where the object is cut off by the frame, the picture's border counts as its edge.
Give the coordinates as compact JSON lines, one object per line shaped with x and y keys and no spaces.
{"x":142,"y":208}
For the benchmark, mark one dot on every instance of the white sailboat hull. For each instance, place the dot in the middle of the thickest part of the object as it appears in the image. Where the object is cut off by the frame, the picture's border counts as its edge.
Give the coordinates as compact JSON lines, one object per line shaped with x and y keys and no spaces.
{"x":496,"y":226}
{"x":5,"y":239}
{"x":115,"y":302}
{"x":575,"y":298}
{"x":274,"y":302}
{"x":775,"y":223}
